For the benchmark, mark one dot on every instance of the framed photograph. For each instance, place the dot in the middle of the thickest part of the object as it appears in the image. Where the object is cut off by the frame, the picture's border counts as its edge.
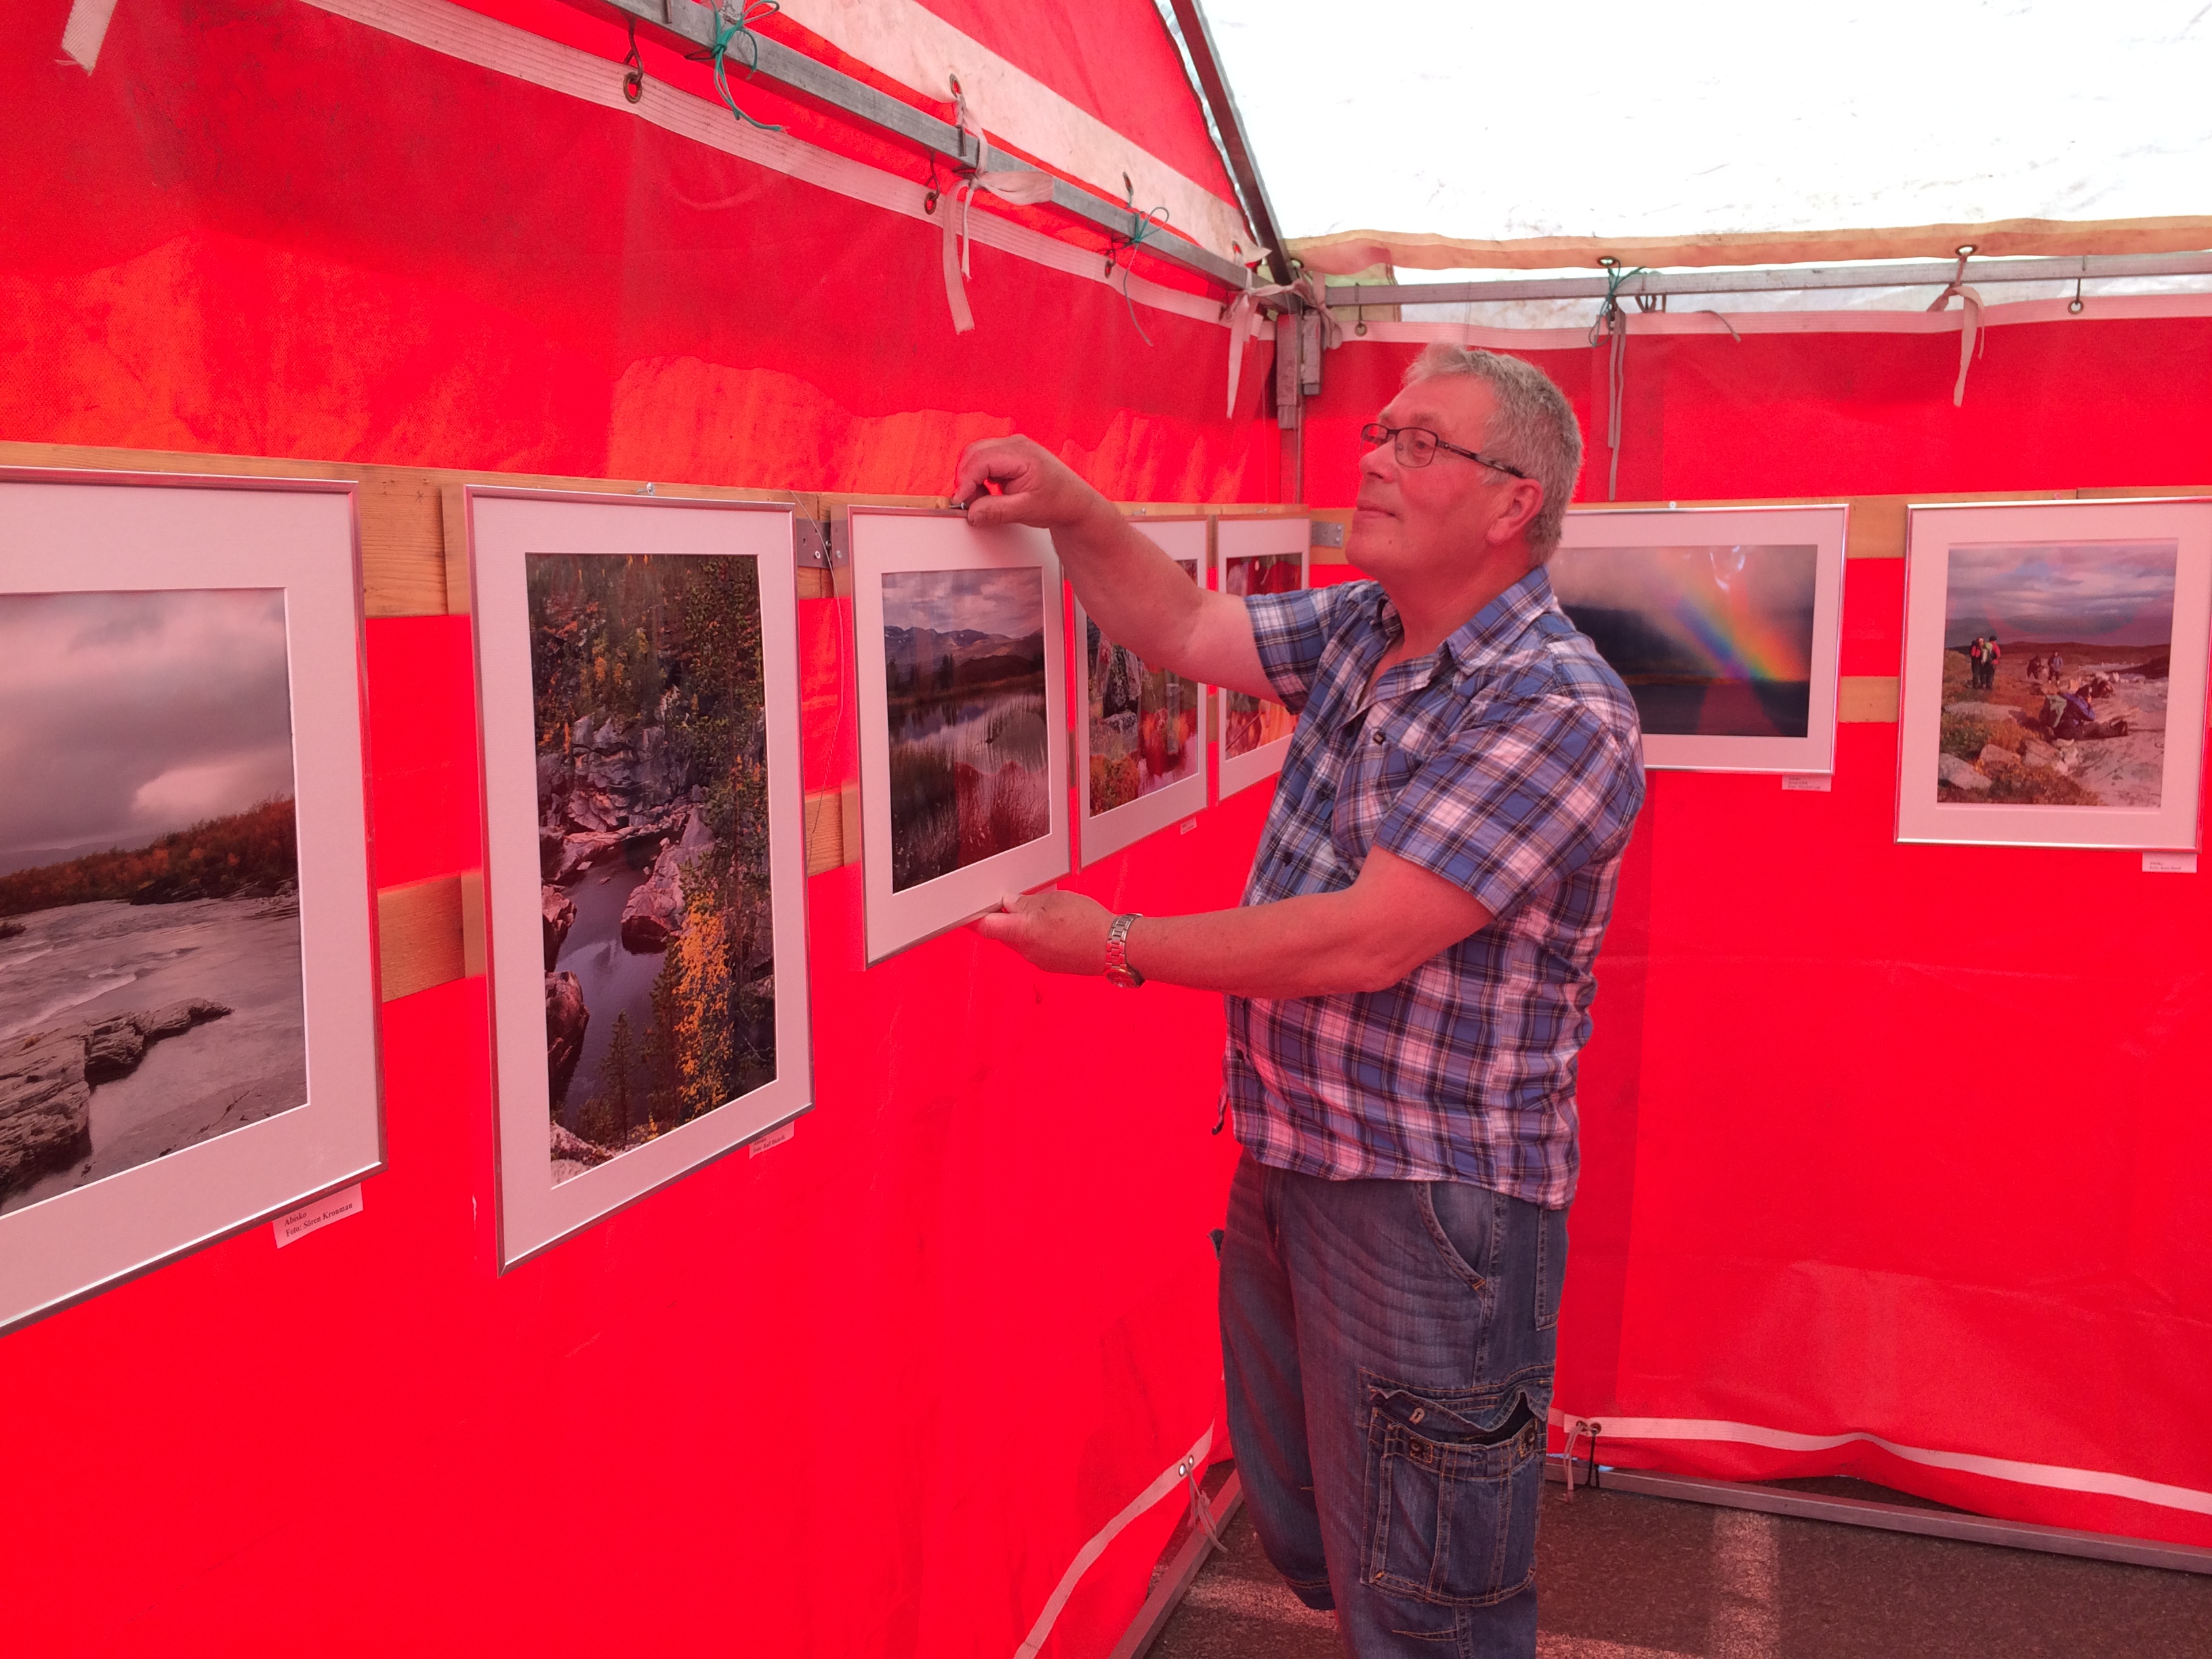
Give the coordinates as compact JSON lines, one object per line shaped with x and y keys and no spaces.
{"x":963,"y":720}
{"x":1724,"y":620}
{"x":1144,"y":767}
{"x":2054,"y":680}
{"x":188,"y":978}
{"x":1257,"y":556}
{"x":637,"y":676}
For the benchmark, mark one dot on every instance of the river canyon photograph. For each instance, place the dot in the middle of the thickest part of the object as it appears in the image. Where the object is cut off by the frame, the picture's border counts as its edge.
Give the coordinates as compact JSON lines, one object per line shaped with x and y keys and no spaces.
{"x":654,"y":844}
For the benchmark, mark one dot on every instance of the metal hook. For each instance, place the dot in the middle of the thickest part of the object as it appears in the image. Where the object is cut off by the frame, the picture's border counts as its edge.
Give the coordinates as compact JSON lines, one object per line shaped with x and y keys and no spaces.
{"x":2075,"y":305}
{"x":634,"y":77}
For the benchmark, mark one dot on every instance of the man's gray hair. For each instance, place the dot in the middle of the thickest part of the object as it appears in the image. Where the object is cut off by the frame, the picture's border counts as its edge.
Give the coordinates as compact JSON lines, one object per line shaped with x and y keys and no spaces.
{"x":1534,"y":427}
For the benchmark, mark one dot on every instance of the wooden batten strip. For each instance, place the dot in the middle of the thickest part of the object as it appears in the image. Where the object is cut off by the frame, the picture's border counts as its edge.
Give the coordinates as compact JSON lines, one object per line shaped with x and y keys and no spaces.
{"x":1868,"y":699}
{"x":420,"y":936}
{"x":832,"y":829}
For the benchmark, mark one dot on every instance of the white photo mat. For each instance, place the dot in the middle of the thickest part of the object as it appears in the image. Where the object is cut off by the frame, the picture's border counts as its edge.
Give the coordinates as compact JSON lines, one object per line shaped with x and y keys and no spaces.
{"x":1931,"y":533}
{"x":1185,"y":541}
{"x":1822,"y":528}
{"x":505,"y":528}
{"x":1255,"y":538}
{"x":885,"y":541}
{"x":95,"y":532}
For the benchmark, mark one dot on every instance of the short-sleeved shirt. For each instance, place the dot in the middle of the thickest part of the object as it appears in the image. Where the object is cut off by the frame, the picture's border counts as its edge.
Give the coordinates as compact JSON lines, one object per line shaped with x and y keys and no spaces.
{"x":1508,"y":762}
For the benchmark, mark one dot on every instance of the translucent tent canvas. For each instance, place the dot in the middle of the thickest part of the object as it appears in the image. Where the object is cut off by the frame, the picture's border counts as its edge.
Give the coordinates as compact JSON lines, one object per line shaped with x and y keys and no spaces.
{"x":1893,"y":1155}
{"x":1458,"y":143}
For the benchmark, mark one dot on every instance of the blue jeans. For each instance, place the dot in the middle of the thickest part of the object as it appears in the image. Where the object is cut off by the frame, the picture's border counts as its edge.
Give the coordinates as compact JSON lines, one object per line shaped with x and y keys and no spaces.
{"x":1389,"y":1347}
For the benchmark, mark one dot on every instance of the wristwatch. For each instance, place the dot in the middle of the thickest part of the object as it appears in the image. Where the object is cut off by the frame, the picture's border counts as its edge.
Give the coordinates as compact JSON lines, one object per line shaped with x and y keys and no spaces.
{"x":1118,"y":971}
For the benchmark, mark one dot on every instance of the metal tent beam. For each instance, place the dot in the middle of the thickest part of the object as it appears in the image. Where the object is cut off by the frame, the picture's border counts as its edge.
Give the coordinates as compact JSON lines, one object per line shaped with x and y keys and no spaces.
{"x":691,"y":26}
{"x":1229,"y":124}
{"x":1779,"y":279}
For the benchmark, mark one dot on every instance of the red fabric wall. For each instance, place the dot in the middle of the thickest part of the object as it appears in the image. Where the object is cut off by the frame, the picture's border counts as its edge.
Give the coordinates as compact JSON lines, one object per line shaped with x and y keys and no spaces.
{"x":867,"y":1394}
{"x":1907,"y":1140}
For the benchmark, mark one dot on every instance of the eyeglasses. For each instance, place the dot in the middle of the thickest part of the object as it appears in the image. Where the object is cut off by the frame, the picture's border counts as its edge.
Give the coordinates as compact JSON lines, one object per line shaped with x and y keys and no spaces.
{"x":1417,"y":446}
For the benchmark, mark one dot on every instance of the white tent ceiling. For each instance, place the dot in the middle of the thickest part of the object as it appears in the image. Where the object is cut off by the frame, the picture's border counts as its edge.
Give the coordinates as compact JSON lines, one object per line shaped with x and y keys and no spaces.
{"x":1613,"y":118}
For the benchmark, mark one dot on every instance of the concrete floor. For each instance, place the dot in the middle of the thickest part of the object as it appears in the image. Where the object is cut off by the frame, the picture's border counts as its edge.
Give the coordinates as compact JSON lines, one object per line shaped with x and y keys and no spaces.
{"x":1629,"y":1577}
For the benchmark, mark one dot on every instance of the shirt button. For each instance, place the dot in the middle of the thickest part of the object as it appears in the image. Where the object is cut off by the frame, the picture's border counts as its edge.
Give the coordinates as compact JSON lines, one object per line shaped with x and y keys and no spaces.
{"x":1379,"y":736}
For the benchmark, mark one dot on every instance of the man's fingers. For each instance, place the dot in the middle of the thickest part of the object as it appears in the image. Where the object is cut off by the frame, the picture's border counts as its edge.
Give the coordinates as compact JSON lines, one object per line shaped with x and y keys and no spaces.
{"x":986,"y":510}
{"x":987,"y":461}
{"x":998,"y":926}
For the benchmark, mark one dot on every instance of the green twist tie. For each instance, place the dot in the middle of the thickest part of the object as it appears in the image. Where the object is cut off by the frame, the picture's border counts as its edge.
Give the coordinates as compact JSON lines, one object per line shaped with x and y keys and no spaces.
{"x":737,"y":30}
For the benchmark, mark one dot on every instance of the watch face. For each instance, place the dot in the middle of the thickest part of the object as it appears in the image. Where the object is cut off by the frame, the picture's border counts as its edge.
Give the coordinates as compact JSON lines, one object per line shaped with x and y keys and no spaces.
{"x":1124,"y":977}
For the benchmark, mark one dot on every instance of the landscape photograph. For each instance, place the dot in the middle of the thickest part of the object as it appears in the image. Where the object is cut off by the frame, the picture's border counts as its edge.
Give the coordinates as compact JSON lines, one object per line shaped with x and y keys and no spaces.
{"x":652,"y":844}
{"x":150,"y":990}
{"x":1143,"y":721}
{"x":964,"y":678}
{"x":1712,"y":642}
{"x":2055,"y":660}
{"x":1250,"y":722}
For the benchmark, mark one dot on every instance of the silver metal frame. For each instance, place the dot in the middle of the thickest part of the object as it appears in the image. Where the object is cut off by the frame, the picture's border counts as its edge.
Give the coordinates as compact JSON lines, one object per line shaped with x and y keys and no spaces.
{"x":503,"y":1262}
{"x":689,"y":25}
{"x":350,"y":488}
{"x":2191,"y":724}
{"x":1776,"y":279}
{"x":1896,"y":1517}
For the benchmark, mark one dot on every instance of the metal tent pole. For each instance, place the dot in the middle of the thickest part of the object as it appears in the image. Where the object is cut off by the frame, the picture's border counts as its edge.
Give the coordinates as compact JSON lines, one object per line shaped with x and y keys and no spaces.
{"x":1778,"y":279}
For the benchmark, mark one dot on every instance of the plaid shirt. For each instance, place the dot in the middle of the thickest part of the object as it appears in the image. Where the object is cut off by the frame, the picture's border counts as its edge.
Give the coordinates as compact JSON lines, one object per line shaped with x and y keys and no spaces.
{"x":1508,"y":762}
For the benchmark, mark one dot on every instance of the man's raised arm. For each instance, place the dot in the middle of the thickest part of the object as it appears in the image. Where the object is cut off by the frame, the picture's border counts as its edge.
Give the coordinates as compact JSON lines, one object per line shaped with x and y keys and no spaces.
{"x":1138,"y":597}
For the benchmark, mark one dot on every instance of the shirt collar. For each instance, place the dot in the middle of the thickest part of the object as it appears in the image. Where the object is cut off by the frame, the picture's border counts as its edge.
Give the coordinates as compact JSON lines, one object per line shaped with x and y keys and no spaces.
{"x":1485,"y":634}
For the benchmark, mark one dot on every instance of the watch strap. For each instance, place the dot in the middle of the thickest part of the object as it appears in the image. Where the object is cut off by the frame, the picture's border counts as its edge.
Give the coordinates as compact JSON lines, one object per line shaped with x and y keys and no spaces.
{"x":1117,"y":951}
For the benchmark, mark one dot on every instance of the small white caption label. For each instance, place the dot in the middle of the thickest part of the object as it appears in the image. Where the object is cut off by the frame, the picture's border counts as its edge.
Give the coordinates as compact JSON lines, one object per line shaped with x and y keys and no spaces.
{"x":297,"y":1224}
{"x":773,"y":1138}
{"x":1189,"y":825}
{"x":1823,"y":785}
{"x":2170,"y":864}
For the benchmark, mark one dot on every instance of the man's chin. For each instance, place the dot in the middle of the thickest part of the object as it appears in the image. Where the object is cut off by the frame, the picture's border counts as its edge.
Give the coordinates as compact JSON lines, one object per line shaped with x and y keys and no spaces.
{"x":1371,"y":545}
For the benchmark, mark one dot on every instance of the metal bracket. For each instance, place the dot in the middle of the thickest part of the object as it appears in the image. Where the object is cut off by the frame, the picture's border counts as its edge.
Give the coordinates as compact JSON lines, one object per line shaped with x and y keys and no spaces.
{"x":1327,"y":535}
{"x":1310,"y":339}
{"x":840,"y":542}
{"x":811,"y":538}
{"x":1290,"y":378}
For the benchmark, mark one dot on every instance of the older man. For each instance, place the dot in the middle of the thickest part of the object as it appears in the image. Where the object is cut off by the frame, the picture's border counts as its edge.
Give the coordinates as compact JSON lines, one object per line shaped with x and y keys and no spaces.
{"x":1407,"y":980}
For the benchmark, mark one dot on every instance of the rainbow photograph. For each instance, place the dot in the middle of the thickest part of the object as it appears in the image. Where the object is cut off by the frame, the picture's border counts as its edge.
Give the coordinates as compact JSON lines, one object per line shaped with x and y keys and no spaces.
{"x":1713,"y":641}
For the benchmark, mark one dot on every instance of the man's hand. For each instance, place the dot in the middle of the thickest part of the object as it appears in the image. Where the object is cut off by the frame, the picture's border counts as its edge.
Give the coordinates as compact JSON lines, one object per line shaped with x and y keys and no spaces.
{"x":1038,"y":488}
{"x":1061,"y":933}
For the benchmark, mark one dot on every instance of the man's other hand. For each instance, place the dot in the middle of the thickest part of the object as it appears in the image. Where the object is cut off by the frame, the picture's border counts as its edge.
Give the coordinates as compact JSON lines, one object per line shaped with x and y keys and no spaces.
{"x":1035,"y":487}
{"x":1061,"y":933}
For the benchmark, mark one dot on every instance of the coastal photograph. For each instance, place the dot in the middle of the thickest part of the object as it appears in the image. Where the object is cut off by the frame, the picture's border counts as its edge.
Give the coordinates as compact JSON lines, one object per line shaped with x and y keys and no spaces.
{"x":652,"y":844}
{"x":1712,"y":642}
{"x":1143,"y":721}
{"x":963,"y":677}
{"x":2056,"y":659}
{"x":150,"y":992}
{"x":1250,"y":722}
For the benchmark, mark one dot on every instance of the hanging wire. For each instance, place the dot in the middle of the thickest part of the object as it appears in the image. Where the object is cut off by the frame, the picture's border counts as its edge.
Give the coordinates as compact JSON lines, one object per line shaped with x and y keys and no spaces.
{"x":1122,"y":251}
{"x":1614,"y":322}
{"x":736,"y":28}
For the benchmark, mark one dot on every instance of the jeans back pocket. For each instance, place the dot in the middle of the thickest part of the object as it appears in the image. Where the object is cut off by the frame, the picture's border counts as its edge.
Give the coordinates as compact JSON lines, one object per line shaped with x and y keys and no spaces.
{"x":1454,"y":1478}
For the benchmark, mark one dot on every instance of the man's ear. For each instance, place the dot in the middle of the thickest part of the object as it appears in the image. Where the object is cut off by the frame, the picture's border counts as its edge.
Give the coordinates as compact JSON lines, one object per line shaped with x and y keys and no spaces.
{"x":1524,"y":501}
